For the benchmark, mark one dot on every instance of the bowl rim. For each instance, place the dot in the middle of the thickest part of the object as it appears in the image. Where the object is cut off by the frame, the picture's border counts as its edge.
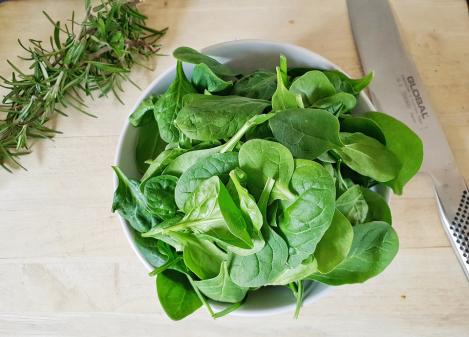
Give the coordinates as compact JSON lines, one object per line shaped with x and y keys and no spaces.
{"x":118,"y":157}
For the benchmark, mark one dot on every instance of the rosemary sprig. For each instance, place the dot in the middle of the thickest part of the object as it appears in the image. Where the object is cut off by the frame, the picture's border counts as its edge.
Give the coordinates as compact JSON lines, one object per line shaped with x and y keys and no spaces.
{"x":95,"y":55}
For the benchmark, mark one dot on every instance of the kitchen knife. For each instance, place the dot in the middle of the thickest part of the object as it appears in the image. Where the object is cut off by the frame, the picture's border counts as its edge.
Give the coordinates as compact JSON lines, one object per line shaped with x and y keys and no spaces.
{"x":397,"y":89}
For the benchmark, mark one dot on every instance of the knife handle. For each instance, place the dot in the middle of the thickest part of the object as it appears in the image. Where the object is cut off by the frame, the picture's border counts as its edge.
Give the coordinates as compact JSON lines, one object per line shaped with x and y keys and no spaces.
{"x":455,"y":220}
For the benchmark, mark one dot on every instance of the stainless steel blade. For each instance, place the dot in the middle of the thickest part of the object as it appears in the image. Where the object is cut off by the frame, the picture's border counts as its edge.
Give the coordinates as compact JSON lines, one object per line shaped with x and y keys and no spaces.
{"x":397,"y":89}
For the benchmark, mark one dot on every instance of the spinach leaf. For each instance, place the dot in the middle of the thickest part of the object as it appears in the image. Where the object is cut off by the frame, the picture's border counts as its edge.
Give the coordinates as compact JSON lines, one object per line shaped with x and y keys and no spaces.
{"x":404,"y":143}
{"x":158,"y":232}
{"x":335,"y":244}
{"x":282,"y":98}
{"x":169,"y":104}
{"x":252,"y":122}
{"x":283,"y":68}
{"x":307,"y":133}
{"x":247,"y":203}
{"x":183,"y":162}
{"x":176,"y":294}
{"x":378,"y":209}
{"x":364,"y":125}
{"x":221,"y":288}
{"x":306,"y":220}
{"x":149,"y":144}
{"x":131,"y":204}
{"x":352,"y":205}
{"x":259,"y":84}
{"x":157,"y":165}
{"x":219,"y":164}
{"x":373,"y":248}
{"x":144,"y":112}
{"x":204,"y":78}
{"x":202,"y":257}
{"x":265,"y":197}
{"x":263,"y":159}
{"x":213,"y":117}
{"x":303,"y":270}
{"x":212,"y":214}
{"x":342,"y":82}
{"x":159,"y":193}
{"x":262,"y":267}
{"x":368,"y":157}
{"x":312,"y":86}
{"x":337,"y":104}
{"x":152,"y":249}
{"x":189,"y":55}
{"x":251,"y":213}
{"x":309,"y":174}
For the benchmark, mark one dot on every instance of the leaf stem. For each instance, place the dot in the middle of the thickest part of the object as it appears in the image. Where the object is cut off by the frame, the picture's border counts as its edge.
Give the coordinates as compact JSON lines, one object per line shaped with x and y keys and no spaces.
{"x":165,"y":266}
{"x":201,"y":297}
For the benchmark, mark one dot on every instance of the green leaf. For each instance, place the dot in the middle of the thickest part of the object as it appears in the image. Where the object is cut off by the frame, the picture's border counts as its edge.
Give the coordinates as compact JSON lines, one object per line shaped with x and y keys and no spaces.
{"x":131,"y":204}
{"x":189,"y":55}
{"x":209,"y":118}
{"x":373,"y":248}
{"x":263,"y":159}
{"x":212,"y":214}
{"x":368,"y":157}
{"x":219,"y":164}
{"x":307,"y":133}
{"x":204,"y":78}
{"x":182,"y":163}
{"x":159,"y":193}
{"x":259,"y":84}
{"x":335,"y":244}
{"x":404,"y":143}
{"x":352,"y":205}
{"x":262,"y":267}
{"x":247,"y":203}
{"x":144,"y":112}
{"x":343,"y":83}
{"x":282,"y":98}
{"x":221,"y":288}
{"x":155,"y":252}
{"x":149,"y":144}
{"x":378,"y":208}
{"x":300,"y":272}
{"x":176,"y":295}
{"x":107,"y":67}
{"x":264,"y":198}
{"x":364,"y":125}
{"x":251,"y":213}
{"x":169,"y":104}
{"x":283,"y":68}
{"x":202,"y":257}
{"x":157,"y":165}
{"x":252,"y":122}
{"x":312,"y":86}
{"x":337,"y":104}
{"x":309,"y":216}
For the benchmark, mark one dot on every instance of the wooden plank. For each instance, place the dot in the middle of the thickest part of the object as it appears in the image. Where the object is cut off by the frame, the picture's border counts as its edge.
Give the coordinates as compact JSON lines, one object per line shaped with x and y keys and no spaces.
{"x":423,"y":293}
{"x":67,"y":270}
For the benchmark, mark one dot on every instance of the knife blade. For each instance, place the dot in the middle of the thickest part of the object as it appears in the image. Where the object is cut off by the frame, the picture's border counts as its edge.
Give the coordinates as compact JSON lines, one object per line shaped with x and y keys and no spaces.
{"x":398,"y":90}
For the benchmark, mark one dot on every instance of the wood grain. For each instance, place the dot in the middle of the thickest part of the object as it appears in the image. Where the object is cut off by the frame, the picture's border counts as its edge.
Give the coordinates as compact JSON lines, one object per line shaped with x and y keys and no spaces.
{"x":66,"y":268}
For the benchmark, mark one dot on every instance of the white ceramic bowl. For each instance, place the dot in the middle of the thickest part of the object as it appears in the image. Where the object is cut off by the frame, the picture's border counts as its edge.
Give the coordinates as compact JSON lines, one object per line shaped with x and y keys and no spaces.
{"x":243,"y":56}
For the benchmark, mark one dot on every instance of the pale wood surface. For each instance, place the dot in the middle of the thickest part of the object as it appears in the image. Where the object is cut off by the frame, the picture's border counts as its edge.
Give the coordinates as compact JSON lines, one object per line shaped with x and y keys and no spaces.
{"x":65,"y":266}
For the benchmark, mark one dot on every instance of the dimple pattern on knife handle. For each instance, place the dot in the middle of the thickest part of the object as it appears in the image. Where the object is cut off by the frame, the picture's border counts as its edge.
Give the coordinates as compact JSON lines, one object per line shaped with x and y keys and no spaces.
{"x":460,"y":226}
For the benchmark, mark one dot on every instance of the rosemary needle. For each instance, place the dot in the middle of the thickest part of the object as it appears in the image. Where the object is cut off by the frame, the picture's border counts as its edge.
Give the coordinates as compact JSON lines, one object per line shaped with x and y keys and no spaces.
{"x":79,"y":59}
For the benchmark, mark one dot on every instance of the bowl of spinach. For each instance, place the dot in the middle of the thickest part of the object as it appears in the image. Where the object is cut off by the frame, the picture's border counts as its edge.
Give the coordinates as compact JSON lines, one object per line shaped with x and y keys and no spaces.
{"x":254,"y":176}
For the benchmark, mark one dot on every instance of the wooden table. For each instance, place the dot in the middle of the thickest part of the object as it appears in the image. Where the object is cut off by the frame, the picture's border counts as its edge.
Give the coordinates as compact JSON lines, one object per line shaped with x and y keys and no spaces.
{"x":65,"y":266}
